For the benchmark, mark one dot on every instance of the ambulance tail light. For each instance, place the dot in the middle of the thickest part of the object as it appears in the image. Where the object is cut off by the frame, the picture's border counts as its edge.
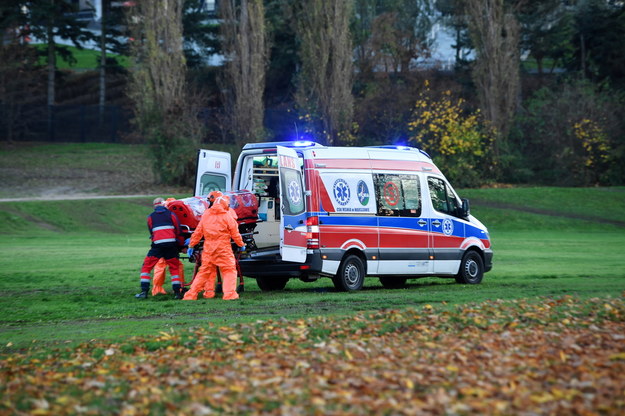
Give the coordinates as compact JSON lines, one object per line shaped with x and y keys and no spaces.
{"x":312,"y":232}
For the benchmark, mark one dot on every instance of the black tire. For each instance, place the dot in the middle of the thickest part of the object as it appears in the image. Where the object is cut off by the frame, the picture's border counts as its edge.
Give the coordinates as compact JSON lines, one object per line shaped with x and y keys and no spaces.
{"x":471,"y":269}
{"x":393,"y":282}
{"x":351,"y":274}
{"x":268,"y":284}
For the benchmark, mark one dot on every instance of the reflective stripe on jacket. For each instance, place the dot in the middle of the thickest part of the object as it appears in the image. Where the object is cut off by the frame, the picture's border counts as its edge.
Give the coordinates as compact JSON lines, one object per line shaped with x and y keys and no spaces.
{"x":164,"y":226}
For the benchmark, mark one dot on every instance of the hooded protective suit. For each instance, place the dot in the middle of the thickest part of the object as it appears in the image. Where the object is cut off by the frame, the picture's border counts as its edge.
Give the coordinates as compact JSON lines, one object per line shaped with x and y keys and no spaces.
{"x":210,"y":280}
{"x":217,"y":227}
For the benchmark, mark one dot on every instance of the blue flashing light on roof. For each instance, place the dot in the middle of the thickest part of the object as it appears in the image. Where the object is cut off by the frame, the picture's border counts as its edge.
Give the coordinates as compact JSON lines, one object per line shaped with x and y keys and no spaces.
{"x":272,"y":145}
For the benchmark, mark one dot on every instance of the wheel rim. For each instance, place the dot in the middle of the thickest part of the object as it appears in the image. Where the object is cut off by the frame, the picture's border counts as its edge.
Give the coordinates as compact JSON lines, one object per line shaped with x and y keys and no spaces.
{"x":472,"y":269}
{"x":352,"y":275}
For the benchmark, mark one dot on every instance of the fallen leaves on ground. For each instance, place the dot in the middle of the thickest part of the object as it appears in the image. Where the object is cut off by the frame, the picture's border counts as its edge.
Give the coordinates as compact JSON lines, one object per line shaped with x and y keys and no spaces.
{"x":546,"y":356}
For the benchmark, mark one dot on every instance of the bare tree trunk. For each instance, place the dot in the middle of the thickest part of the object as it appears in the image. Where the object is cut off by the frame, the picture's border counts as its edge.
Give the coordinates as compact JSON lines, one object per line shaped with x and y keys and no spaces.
{"x":165,"y":112}
{"x":103,"y":8}
{"x":327,"y":65}
{"x":246,"y":49}
{"x":496,"y":34}
{"x":51,"y":72}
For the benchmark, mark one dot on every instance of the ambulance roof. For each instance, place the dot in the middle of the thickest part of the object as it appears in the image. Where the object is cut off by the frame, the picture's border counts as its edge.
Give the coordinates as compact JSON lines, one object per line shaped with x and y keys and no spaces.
{"x":339,"y":151}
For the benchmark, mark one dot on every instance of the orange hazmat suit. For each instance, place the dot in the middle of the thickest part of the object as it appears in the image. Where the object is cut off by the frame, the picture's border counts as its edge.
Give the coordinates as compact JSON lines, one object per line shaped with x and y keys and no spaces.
{"x":217,"y":227}
{"x":159,"y":276}
{"x":210,"y":280}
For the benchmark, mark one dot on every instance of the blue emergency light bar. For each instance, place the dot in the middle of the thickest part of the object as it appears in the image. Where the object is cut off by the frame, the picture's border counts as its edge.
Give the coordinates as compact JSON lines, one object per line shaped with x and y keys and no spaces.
{"x":298,"y":144}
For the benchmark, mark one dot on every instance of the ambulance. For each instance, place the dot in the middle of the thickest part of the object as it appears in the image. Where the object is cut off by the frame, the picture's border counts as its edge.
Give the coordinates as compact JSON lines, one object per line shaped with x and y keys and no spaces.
{"x":348,"y":213}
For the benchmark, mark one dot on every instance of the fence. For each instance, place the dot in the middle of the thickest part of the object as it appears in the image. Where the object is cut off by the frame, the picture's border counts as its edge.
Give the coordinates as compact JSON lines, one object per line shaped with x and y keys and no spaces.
{"x":111,"y":124}
{"x":64,"y":123}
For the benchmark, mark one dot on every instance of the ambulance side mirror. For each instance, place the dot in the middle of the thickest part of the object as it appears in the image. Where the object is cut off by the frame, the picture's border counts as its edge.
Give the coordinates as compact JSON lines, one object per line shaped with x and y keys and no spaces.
{"x":465,"y":209}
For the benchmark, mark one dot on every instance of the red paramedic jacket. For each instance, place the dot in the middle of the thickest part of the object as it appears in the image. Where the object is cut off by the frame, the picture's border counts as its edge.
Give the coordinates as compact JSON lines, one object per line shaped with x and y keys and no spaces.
{"x":164,"y":227}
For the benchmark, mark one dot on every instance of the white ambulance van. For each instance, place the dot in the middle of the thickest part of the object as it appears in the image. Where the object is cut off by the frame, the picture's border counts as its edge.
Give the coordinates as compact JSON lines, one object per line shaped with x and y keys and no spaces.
{"x":350,"y":212}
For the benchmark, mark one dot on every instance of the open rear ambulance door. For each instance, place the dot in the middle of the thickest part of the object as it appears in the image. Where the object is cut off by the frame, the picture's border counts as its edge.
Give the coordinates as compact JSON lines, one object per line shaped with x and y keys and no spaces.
{"x":292,"y":206}
{"x":213,"y":172}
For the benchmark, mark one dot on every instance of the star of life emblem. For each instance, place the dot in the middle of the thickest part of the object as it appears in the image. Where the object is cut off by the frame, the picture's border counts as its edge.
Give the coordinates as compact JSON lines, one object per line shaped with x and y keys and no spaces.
{"x":341,"y":192}
{"x":448,"y":227}
{"x":295,"y":192}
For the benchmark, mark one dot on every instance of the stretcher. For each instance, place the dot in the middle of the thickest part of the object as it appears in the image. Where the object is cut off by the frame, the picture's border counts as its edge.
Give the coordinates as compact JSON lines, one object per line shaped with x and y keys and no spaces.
{"x":189,"y":212}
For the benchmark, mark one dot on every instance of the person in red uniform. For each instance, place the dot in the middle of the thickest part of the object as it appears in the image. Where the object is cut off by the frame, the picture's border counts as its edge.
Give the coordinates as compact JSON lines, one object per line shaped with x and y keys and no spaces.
{"x":164,"y":230}
{"x":217,"y":227}
{"x":161,"y":267}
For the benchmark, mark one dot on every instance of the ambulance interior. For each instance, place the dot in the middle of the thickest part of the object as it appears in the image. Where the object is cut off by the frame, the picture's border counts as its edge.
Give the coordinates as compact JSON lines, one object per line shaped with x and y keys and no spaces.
{"x":259,"y":174}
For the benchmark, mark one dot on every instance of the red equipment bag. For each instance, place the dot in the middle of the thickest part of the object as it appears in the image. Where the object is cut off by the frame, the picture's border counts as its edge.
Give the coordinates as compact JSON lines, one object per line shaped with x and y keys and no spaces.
{"x":188,"y":210}
{"x":245,"y":204}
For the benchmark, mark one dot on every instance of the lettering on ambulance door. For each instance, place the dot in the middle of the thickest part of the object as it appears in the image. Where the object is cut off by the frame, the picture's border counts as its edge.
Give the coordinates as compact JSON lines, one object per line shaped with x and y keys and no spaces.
{"x":213,"y":172}
{"x":292,"y":205}
{"x":403,"y":233}
{"x":447,"y":230}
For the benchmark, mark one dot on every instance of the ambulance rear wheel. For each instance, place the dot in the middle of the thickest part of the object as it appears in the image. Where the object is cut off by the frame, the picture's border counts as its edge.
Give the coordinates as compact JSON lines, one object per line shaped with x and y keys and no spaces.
{"x":351,"y":274}
{"x":471,"y":269}
{"x":268,"y":284}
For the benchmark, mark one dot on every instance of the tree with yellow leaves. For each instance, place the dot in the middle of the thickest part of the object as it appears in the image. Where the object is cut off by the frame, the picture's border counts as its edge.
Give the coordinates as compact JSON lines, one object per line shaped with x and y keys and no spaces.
{"x":456,"y":138}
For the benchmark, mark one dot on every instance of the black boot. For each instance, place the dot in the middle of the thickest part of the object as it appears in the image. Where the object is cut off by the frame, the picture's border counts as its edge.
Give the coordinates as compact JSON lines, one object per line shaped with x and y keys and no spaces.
{"x":145,"y":288}
{"x":178,"y":292}
{"x":142,"y":295}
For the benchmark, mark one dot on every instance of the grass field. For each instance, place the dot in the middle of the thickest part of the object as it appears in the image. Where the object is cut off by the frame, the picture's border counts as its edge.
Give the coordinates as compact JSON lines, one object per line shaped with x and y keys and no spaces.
{"x":542,"y":334}
{"x":86,"y":59}
{"x":70,"y":268}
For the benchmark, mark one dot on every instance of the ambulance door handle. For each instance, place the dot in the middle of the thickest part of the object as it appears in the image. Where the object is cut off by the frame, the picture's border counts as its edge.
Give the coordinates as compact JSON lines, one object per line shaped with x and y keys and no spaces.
{"x":289,"y":227}
{"x":436,"y":223}
{"x":422,"y":223}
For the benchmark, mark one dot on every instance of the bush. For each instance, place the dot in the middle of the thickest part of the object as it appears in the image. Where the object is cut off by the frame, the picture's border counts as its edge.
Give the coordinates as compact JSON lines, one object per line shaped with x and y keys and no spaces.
{"x":572,"y":135}
{"x":455,"y":137}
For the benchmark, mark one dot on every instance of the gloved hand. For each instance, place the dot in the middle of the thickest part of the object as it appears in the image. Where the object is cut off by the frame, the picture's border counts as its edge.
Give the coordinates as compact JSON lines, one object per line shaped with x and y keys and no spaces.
{"x":190,"y":252}
{"x":186,"y":242}
{"x":243,"y":248}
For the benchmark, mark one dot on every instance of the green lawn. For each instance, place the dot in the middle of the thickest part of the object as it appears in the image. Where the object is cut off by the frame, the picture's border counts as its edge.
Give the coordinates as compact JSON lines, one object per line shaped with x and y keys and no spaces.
{"x":70,"y":268}
{"x":85,"y":59}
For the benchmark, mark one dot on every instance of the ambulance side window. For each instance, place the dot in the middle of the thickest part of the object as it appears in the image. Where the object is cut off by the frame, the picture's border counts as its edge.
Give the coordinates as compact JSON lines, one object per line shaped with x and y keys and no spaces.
{"x":211,"y":182}
{"x":443,"y":199}
{"x":398,"y":195}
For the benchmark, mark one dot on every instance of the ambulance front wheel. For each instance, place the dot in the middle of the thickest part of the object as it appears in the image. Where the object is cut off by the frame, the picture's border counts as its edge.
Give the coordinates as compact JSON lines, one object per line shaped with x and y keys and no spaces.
{"x":471,"y":268}
{"x":351,"y":274}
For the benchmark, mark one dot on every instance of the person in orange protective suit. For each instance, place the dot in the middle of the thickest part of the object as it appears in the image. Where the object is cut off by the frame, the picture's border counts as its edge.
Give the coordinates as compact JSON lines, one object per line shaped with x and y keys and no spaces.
{"x":159,"y":276}
{"x":217,"y":227}
{"x":209,"y":286}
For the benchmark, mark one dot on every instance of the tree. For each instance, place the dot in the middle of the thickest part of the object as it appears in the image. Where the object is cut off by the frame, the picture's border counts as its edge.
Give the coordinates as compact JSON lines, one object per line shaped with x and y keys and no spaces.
{"x":453,"y":135}
{"x":165,"y":111}
{"x":546,"y":31}
{"x":453,"y":16}
{"x":599,"y":50}
{"x":111,"y":20}
{"x":495,"y":34}
{"x":52,"y":19}
{"x":245,"y":48}
{"x":390,"y":34}
{"x":325,"y":80}
{"x":201,"y":35}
